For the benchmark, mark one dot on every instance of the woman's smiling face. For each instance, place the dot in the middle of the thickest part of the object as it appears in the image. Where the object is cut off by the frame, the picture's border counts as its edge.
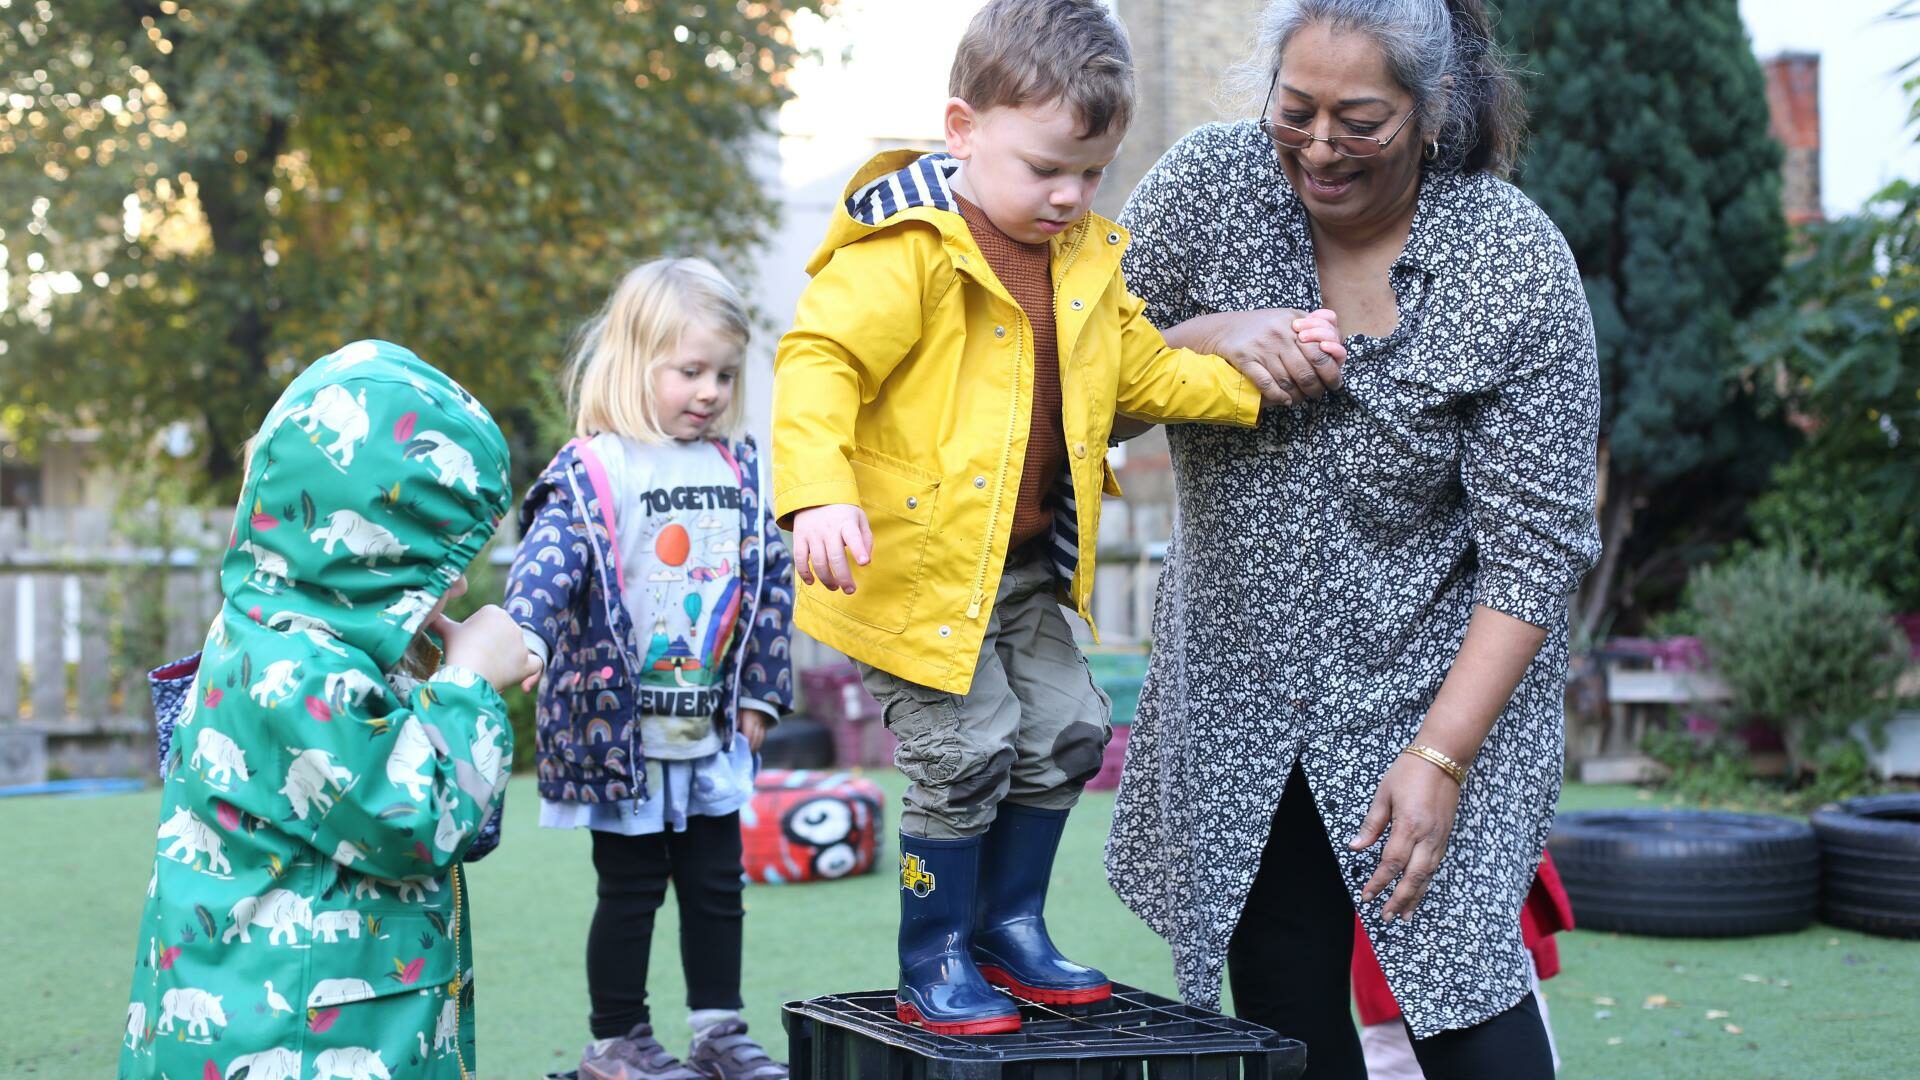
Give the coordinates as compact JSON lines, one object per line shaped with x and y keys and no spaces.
{"x":1335,"y":83}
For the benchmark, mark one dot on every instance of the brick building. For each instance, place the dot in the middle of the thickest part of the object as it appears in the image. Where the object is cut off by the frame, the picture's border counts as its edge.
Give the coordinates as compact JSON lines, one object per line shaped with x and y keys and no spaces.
{"x":1183,"y":51}
{"x":1793,"y":100}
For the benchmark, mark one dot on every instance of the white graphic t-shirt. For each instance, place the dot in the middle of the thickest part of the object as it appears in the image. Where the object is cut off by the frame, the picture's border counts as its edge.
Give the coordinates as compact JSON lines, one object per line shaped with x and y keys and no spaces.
{"x":677,"y":512}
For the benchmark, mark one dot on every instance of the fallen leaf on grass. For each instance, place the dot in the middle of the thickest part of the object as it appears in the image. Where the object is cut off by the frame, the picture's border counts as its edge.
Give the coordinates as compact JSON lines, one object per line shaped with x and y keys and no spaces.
{"x":1732,"y":1029}
{"x":1604,"y":1001}
{"x":1603,"y":1014}
{"x":1655,"y":1001}
{"x":1750,"y":977}
{"x":1718,"y":1014}
{"x":1615,"y":1041}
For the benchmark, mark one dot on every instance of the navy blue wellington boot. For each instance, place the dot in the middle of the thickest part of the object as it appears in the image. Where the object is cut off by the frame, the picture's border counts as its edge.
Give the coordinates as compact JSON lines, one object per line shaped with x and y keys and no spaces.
{"x":1010,"y":942}
{"x":940,"y":989}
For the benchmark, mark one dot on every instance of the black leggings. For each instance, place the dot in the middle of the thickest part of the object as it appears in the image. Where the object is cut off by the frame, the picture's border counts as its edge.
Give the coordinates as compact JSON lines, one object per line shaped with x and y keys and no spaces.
{"x":704,"y":865}
{"x":1291,"y":957}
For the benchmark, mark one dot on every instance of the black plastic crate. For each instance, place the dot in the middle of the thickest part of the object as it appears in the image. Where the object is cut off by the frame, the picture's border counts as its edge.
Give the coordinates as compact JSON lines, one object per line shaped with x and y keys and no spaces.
{"x":1133,"y":1036}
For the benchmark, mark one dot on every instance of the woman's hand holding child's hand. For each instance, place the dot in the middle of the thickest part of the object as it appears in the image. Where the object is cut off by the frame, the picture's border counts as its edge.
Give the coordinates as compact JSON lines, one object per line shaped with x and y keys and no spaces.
{"x":488,"y":644}
{"x":824,"y":535}
{"x":1290,"y":355}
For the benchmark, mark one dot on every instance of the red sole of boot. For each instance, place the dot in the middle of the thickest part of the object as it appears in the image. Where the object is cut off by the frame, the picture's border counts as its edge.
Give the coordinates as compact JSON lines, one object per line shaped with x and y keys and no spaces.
{"x":994,"y":1025}
{"x":1086,"y":996}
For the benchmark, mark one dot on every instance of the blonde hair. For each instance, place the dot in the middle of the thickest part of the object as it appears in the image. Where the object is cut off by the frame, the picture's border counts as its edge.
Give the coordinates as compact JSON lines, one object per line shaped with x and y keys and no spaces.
{"x":610,"y":375}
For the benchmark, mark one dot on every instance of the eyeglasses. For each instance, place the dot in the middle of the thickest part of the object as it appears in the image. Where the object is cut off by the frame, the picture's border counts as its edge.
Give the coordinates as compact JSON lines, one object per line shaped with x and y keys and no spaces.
{"x":1288,"y":137}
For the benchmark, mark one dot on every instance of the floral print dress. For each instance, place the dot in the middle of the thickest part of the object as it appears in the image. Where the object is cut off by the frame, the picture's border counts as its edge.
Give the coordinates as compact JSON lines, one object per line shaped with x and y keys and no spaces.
{"x":1324,"y":565}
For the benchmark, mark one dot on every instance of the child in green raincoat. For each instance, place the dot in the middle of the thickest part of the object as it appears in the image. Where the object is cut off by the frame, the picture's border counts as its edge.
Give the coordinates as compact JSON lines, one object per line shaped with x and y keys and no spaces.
{"x":307,"y":916}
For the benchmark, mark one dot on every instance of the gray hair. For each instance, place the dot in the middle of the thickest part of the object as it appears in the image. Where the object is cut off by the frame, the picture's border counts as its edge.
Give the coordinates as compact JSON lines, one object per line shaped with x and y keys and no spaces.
{"x":1441,"y":52}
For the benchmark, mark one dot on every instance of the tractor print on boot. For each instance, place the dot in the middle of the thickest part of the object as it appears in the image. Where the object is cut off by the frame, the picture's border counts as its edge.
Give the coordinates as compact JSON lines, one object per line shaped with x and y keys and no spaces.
{"x":940,"y":989}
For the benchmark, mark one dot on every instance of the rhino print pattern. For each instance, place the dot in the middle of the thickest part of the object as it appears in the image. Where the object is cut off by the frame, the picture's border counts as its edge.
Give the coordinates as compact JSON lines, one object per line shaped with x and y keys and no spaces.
{"x":306,"y":917}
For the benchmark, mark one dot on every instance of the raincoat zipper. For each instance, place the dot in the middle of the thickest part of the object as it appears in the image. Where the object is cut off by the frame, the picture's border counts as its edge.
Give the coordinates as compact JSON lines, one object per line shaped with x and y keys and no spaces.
{"x":1000,"y":482}
{"x":1079,"y":556}
{"x":752,"y":608}
{"x":459,"y":975}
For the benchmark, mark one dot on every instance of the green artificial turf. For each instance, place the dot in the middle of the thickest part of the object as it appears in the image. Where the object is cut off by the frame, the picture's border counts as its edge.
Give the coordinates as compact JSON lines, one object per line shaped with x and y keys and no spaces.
{"x":1821,"y":1003}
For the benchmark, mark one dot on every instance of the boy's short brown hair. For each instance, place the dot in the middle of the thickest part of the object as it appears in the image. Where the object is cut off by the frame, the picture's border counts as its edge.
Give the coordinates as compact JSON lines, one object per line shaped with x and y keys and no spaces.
{"x":1022,"y":52}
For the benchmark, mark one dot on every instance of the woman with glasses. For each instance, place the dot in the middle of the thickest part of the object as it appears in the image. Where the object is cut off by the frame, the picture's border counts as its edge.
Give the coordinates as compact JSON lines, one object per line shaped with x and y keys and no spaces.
{"x":1361,"y":635}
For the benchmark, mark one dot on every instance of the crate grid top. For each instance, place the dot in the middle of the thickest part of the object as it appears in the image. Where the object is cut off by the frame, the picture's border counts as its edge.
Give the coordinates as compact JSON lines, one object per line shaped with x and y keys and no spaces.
{"x":1133,"y":1024}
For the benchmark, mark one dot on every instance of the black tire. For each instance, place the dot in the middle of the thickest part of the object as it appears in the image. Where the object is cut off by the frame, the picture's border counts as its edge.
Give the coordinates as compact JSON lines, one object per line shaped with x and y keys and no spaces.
{"x":1870,"y":854}
{"x":798,"y":742}
{"x":1686,"y":873}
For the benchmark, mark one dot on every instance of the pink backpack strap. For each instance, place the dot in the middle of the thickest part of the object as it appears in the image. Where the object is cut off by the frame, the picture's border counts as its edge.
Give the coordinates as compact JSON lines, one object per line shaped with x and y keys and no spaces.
{"x":603,"y":491}
{"x":727,"y":454}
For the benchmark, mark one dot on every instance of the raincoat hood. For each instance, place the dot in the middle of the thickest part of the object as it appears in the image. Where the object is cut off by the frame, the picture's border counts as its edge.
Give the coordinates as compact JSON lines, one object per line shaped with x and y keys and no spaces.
{"x":376,"y":475}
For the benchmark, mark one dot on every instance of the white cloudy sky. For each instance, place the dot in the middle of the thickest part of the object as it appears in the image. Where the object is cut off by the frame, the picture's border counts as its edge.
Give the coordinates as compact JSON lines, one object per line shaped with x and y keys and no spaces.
{"x":884,"y":76}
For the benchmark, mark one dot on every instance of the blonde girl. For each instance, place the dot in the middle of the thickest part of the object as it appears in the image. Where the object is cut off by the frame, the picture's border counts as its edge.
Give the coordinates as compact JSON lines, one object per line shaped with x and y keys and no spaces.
{"x":654,"y":583}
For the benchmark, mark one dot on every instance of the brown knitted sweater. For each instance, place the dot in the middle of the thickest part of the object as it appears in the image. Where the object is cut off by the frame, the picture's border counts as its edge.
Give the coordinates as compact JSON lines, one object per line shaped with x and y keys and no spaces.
{"x":1025,"y":270}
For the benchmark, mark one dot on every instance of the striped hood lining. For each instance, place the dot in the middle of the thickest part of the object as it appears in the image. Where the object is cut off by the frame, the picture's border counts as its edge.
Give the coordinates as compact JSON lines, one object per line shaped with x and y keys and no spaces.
{"x":925,"y":182}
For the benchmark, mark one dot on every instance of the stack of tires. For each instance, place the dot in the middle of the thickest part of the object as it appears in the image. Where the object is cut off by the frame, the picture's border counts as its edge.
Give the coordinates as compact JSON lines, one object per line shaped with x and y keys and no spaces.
{"x":1870,"y":849}
{"x":1686,"y":873}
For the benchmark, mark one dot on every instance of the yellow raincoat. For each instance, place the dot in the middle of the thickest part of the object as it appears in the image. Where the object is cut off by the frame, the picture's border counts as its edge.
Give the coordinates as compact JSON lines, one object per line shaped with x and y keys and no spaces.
{"x":905,"y":387}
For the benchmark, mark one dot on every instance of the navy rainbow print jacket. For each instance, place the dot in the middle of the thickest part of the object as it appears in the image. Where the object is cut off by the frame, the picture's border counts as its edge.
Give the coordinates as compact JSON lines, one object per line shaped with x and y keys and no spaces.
{"x":565,"y":588}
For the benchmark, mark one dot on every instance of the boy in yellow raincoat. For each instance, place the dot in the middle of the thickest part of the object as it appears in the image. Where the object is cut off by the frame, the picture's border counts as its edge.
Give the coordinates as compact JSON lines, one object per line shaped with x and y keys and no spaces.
{"x":943,"y":405}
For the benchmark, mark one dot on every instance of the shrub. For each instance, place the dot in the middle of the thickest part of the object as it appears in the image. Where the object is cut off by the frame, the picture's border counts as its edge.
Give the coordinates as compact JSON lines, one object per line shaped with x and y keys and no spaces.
{"x":1808,"y":653}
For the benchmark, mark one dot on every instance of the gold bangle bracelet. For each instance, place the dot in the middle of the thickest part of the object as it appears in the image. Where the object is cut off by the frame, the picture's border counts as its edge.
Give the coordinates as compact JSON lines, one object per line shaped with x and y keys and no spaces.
{"x":1444,"y":763}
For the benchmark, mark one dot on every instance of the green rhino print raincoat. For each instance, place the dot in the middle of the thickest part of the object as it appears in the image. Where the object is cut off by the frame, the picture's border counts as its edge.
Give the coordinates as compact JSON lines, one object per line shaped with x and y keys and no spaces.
{"x":306,"y":916}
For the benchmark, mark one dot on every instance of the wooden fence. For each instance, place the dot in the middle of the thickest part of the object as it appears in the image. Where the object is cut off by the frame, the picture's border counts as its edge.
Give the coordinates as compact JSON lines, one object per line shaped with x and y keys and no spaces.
{"x":75,"y":704}
{"x":86,"y":610}
{"x":89,"y":600}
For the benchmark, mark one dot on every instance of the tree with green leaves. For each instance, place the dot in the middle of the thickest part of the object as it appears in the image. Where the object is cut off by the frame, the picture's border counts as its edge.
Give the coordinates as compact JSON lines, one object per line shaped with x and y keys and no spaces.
{"x":202,"y":196}
{"x":1838,"y":353}
{"x":1650,"y":150}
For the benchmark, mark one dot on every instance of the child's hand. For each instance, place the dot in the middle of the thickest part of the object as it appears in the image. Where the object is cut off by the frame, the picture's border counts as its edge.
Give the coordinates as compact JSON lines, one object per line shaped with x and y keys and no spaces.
{"x":824,"y":535}
{"x":1289,"y":355}
{"x":539,"y":669}
{"x":1321,"y":330}
{"x":489,"y":644}
{"x":753,"y":725}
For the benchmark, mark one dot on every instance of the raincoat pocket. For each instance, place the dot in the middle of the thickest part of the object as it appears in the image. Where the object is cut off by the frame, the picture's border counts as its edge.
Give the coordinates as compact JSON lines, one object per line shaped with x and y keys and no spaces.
{"x":902,"y":501}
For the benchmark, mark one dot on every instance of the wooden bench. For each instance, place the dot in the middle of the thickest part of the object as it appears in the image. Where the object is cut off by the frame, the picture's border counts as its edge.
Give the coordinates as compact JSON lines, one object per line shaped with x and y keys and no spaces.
{"x":1638,"y":699}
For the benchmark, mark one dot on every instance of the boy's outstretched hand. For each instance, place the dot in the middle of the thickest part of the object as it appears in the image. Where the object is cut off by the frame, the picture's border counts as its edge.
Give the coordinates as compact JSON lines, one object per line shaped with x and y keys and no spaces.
{"x":823,"y":536}
{"x":488,"y":643}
